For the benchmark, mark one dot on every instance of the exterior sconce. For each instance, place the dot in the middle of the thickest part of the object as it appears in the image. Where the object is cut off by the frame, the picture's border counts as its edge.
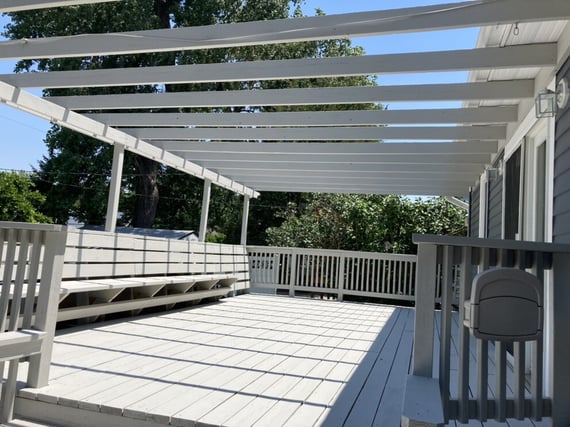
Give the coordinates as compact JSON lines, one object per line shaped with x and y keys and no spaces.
{"x":547,"y":103}
{"x":494,"y":173}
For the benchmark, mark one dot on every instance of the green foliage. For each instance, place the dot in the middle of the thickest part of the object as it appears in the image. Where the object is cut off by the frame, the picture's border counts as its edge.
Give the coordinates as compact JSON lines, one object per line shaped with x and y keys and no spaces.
{"x":19,"y":200}
{"x":75,"y":174}
{"x":374,"y":223}
{"x":180,"y":201}
{"x":266,"y":212}
{"x":216,"y":237}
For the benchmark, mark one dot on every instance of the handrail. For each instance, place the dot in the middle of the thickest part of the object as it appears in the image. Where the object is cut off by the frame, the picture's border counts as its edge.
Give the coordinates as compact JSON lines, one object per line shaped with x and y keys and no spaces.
{"x":477,"y":242}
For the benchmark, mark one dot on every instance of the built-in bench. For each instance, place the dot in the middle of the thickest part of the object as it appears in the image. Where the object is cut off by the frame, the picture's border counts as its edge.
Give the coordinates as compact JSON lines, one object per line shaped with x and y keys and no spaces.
{"x":109,"y":273}
{"x":49,"y":273}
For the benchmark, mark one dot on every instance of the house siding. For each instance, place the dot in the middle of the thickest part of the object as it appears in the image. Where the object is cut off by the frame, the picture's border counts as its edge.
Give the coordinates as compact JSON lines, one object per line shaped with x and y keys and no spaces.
{"x":474,"y":212}
{"x":495,"y":205}
{"x":561,"y":207}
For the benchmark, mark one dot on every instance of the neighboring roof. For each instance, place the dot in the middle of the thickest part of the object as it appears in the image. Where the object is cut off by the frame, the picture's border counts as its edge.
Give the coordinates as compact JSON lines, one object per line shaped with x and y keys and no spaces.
{"x":149,"y":232}
{"x":298,"y":154}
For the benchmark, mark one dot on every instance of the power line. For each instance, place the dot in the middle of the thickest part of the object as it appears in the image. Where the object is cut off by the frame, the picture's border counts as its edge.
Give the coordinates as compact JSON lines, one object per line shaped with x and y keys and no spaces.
{"x":5,"y":117}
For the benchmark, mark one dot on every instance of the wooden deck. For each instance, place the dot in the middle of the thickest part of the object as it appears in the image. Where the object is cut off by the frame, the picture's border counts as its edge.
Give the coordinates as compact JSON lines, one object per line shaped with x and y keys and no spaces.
{"x":249,"y":360}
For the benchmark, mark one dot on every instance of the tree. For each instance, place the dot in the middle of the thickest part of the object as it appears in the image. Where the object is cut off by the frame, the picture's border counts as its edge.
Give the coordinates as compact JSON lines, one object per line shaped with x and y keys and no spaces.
{"x":75,"y":174}
{"x":19,"y":200}
{"x":63,"y":173}
{"x":375,"y":223}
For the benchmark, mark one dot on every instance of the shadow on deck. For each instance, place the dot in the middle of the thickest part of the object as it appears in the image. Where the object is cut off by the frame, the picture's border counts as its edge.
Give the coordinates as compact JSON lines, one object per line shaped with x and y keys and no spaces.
{"x":248,"y":360}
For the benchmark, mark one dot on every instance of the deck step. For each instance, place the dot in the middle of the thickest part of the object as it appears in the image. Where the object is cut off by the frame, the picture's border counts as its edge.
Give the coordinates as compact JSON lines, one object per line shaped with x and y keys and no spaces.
{"x":45,"y":414}
{"x":26,"y":423}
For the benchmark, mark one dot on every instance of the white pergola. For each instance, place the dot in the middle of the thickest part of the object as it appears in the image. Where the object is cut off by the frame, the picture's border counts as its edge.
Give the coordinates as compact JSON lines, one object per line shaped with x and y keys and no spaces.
{"x":431,"y":151}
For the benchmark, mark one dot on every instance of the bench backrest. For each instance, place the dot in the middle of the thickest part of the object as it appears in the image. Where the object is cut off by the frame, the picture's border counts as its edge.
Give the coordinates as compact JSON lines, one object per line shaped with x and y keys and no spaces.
{"x":95,"y":254}
{"x":31,"y":258}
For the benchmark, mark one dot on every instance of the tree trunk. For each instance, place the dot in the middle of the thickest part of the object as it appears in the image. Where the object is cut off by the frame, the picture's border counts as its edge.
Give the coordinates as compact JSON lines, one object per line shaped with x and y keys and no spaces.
{"x":147,"y":186}
{"x":147,"y":192}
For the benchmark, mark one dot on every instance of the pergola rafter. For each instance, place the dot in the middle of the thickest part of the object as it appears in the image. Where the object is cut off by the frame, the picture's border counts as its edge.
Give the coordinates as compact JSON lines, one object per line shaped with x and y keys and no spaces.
{"x":542,"y":54}
{"x":414,"y":188}
{"x":268,"y":161}
{"x":369,"y":133}
{"x":266,"y":151}
{"x":340,"y":149}
{"x":425,"y":18}
{"x":497,"y":90}
{"x":8,"y":6}
{"x":483,"y":115}
{"x":261,"y":169}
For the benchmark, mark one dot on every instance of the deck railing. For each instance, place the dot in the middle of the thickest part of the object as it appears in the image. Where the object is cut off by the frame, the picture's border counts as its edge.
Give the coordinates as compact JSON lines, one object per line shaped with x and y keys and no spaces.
{"x":333,"y":272}
{"x":482,"y":363}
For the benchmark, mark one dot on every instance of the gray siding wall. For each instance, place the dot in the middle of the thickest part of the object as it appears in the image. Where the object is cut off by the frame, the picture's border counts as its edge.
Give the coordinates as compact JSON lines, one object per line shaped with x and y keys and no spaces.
{"x":474,"y":212}
{"x":495,"y":205}
{"x":561,"y":226}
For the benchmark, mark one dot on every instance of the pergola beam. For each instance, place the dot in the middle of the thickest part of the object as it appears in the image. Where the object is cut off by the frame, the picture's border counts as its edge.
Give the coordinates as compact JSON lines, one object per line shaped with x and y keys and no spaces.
{"x":9,"y":6}
{"x":42,"y":108}
{"x":425,"y":18}
{"x":370,"y":133}
{"x":499,"y":90}
{"x":418,"y":62}
{"x":313,"y":118}
{"x":328,"y":150}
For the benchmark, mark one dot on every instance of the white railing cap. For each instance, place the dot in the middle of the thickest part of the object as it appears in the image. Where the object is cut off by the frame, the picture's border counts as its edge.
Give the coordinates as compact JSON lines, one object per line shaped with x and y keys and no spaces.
{"x":476,"y":242}
{"x":31,"y":226}
{"x":330,"y":252}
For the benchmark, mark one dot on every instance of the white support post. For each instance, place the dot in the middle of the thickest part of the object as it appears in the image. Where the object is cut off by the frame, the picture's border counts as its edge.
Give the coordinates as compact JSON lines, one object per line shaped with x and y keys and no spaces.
{"x":244,"y":219}
{"x":205,"y":207}
{"x":46,"y":314}
{"x":115,"y":188}
{"x":424,"y":321}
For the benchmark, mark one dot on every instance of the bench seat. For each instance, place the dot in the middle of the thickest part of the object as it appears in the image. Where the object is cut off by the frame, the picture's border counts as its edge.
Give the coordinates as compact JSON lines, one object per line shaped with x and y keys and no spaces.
{"x":96,"y":297}
{"x":75,"y":286}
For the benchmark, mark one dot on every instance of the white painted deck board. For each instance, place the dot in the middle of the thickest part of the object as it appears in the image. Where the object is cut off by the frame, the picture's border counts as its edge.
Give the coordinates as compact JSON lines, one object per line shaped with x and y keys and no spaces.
{"x":247,"y":360}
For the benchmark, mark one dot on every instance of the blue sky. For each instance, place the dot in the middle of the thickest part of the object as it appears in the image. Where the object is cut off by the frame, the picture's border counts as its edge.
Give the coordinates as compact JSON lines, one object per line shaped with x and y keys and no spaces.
{"x":21,"y":144}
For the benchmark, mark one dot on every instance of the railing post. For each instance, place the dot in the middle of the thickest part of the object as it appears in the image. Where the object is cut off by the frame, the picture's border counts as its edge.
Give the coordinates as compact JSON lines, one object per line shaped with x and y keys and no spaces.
{"x":292,"y":278}
{"x":559,"y":368}
{"x":48,"y":298}
{"x":424,"y":311}
{"x":463,"y":343}
{"x":340,"y":281}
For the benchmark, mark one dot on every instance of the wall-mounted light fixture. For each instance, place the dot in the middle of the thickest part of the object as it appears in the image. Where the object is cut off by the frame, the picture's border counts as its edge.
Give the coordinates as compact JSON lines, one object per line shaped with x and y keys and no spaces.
{"x":547,"y":102}
{"x":494,"y":172}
